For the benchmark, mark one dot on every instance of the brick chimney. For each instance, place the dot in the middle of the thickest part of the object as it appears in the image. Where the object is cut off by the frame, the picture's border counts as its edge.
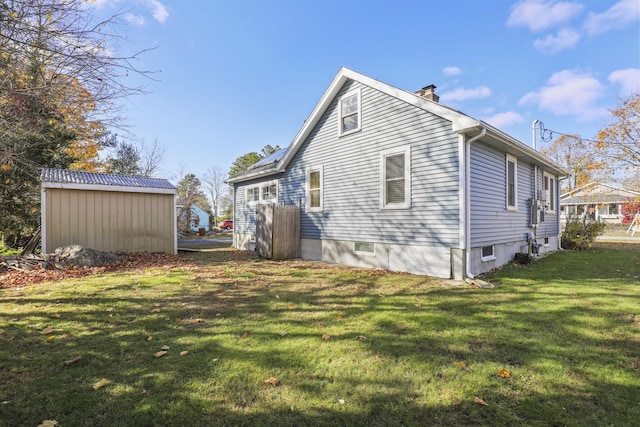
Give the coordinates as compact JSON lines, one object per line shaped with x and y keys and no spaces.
{"x":428,"y":92}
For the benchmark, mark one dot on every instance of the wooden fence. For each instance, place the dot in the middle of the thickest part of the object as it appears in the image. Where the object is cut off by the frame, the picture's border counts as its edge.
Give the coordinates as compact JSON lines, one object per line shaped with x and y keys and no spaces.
{"x":277,"y":231}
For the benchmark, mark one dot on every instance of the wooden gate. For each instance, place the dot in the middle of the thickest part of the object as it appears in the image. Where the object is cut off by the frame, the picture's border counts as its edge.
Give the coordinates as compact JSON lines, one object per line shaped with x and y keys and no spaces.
{"x":277,"y":231}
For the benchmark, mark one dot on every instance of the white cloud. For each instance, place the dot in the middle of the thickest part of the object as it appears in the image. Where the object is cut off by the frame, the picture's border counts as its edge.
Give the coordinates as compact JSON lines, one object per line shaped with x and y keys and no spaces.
{"x":158,"y":10}
{"x":566,"y":38}
{"x":628,"y":79}
{"x":452,"y":71}
{"x":135,"y":19}
{"x":504,"y":119}
{"x":539,"y":15}
{"x":466,"y":94}
{"x":569,"y":92}
{"x":621,"y":13}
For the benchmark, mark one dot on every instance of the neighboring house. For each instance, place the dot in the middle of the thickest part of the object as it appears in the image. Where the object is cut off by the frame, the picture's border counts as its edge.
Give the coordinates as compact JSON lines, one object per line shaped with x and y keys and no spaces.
{"x":394,"y":180}
{"x":106,"y":212}
{"x":199,"y":218}
{"x":597,"y":201}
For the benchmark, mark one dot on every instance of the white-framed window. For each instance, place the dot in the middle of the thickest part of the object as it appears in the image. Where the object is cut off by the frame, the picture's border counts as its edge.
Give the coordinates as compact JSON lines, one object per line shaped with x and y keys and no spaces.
{"x":269,"y":192}
{"x":314,"y":202}
{"x":511,"y":170}
{"x":364,"y":247}
{"x":349,"y":112}
{"x":253,"y":194}
{"x":550,"y":191}
{"x":266,"y":192}
{"x":488,"y":253}
{"x":395,"y":189}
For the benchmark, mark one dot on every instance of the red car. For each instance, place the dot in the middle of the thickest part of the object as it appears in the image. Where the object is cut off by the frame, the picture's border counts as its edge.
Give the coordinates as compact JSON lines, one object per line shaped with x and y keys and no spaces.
{"x":226,"y":225}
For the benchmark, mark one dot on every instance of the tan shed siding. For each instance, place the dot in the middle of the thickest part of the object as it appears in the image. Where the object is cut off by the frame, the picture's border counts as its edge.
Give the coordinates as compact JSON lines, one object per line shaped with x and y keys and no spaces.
{"x":110,"y":221}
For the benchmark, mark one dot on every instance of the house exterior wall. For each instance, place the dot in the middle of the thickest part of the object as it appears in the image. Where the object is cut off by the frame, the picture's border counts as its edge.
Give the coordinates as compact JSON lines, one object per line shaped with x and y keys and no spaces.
{"x":491,"y":222}
{"x":109,"y":221}
{"x":352,"y":182}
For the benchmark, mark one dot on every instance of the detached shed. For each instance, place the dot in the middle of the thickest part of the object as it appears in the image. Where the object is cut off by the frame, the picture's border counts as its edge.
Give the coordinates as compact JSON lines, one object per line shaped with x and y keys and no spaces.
{"x":110,"y":213}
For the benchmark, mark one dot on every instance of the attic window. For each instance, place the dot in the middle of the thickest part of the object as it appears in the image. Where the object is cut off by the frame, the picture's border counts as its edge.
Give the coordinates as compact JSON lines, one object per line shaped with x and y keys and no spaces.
{"x":350,"y":112}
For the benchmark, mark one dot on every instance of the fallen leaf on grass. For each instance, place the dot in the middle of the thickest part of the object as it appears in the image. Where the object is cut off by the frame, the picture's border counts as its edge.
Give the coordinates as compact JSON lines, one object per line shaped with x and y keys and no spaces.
{"x":72,"y":361}
{"x":273,"y":381}
{"x":155,"y":310}
{"x":158,"y":354}
{"x":56,"y":315}
{"x":149,"y":338}
{"x":361,"y":338}
{"x":479,"y":401}
{"x":184,"y":353}
{"x":326,"y":337}
{"x":341,"y":401}
{"x":103,"y":382}
{"x":48,"y":423}
{"x":165,"y":347}
{"x":504,"y":373}
{"x":282,"y":333}
{"x":462,"y":365}
{"x":245,"y":335}
{"x":290,"y":306}
{"x":338,"y":317}
{"x":48,"y":330}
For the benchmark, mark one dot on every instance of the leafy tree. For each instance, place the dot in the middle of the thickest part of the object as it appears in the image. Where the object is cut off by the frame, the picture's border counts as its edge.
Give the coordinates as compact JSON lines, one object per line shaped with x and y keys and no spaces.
{"x":60,"y":79}
{"x":137,"y":160}
{"x":619,"y":142}
{"x":245,"y":161}
{"x":574,"y":154}
{"x":126,"y":160}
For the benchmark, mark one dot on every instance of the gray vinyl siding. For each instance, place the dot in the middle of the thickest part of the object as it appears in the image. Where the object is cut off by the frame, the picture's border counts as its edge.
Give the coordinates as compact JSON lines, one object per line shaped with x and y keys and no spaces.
{"x":352,"y":175}
{"x":491,"y":222}
{"x":245,"y":213}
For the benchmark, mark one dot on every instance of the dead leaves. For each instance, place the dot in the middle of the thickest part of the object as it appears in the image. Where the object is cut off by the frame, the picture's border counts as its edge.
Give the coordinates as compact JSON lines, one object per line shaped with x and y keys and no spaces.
{"x":129,"y":262}
{"x":72,"y":361}
{"x":103,"y":382}
{"x":479,"y":401}
{"x":503,"y":373}
{"x":272,"y":381}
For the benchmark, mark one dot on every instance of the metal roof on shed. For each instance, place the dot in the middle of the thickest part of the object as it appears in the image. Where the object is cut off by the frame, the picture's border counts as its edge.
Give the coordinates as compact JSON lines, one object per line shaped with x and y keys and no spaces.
{"x":61,"y":176}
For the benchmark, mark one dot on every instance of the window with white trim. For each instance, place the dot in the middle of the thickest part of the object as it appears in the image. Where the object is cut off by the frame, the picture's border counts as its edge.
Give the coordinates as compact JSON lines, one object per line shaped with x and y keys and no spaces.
{"x":253,"y":194}
{"x":314,"y":190}
{"x":511,"y":169}
{"x":488,"y":253}
{"x":349,"y":108}
{"x":270,"y":192}
{"x":550,"y":192}
{"x":266,"y":192}
{"x":396,"y":178}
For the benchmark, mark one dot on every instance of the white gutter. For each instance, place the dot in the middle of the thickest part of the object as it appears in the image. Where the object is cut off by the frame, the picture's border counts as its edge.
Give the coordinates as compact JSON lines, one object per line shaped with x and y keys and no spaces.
{"x":467,"y":210}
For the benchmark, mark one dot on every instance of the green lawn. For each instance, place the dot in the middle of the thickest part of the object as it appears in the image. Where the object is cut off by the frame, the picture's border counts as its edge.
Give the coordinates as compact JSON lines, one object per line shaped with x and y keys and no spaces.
{"x":345,"y":347}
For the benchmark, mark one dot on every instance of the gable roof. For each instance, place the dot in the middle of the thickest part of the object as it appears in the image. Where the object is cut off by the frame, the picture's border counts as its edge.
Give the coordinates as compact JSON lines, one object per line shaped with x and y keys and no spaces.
{"x":596,"y":192}
{"x":80,"y":180}
{"x":460,"y":123}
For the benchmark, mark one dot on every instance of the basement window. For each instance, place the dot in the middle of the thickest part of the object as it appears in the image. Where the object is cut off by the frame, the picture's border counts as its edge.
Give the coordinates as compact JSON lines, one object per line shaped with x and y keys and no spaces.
{"x":487,"y":253}
{"x":364,"y":247}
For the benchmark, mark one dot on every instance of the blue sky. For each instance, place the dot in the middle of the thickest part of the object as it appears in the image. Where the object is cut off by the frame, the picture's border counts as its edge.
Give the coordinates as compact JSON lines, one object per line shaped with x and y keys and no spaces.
{"x":237,"y":75}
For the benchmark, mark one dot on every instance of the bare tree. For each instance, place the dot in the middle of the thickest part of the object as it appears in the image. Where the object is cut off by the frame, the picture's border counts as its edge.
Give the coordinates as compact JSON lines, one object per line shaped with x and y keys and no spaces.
{"x":152,"y":158}
{"x":213,"y":182}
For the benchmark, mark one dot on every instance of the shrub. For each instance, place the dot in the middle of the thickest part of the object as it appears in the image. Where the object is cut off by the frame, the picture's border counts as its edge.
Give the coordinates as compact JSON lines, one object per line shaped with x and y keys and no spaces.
{"x":579,"y":232}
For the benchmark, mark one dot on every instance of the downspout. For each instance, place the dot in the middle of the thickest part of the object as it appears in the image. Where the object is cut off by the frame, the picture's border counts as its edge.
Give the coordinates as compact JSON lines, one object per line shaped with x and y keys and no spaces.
{"x":467,"y":202}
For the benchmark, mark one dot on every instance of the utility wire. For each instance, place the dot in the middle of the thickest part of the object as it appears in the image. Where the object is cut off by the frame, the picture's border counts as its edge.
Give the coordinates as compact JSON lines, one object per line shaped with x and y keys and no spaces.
{"x":546,"y":135}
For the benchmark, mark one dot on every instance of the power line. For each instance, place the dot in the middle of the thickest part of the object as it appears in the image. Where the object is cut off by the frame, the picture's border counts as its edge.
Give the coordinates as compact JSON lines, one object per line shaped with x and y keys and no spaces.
{"x":546,"y":135}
